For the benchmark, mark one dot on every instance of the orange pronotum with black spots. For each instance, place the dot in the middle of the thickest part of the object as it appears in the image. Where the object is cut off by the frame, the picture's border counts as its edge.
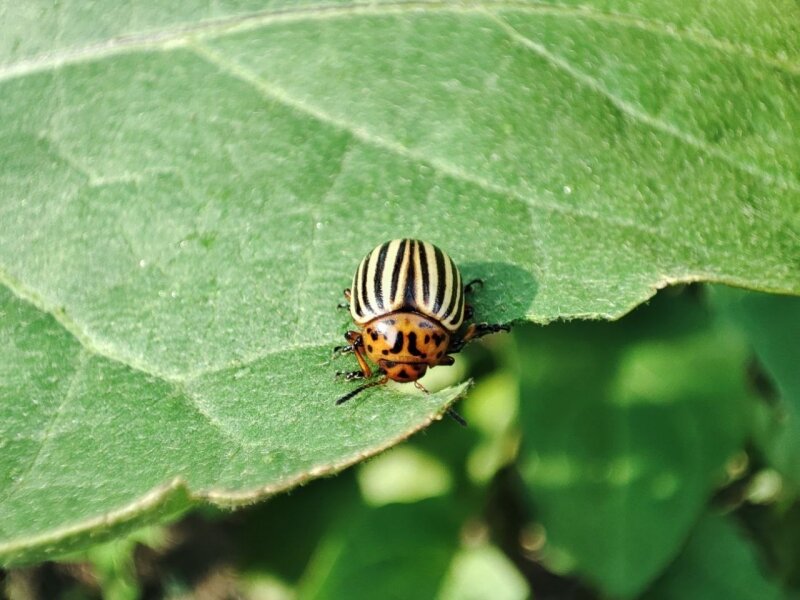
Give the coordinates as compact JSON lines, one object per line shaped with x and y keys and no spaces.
{"x":407,"y":298}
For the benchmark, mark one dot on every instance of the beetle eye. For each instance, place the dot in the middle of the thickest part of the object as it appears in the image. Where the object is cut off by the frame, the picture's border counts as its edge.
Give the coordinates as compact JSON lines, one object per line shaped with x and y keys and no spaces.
{"x":389,"y":364}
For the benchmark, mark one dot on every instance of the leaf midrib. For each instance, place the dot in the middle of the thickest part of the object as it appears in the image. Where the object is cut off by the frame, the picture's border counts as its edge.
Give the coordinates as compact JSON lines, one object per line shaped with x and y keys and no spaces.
{"x":94,"y":347}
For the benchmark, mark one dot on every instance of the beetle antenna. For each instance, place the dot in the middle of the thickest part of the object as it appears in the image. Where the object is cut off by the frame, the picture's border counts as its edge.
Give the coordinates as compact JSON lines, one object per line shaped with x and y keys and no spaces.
{"x":360,"y":389}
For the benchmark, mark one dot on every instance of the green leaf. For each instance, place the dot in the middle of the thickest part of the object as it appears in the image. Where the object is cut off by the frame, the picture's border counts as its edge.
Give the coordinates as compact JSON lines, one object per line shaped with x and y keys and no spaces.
{"x":185,"y":189}
{"x":718,"y":563}
{"x":396,"y":550}
{"x":626,"y":428}
{"x":91,"y":445}
{"x":772,"y":326}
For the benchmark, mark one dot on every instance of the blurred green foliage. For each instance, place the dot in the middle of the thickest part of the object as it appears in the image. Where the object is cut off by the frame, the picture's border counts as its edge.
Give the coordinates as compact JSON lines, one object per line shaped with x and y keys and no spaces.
{"x":602,"y":460}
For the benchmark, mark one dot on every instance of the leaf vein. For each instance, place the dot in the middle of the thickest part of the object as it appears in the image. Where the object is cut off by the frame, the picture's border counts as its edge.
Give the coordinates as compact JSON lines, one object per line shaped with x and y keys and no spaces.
{"x":181,"y":33}
{"x":636,"y":114}
{"x":69,"y":394}
{"x":82,"y":336}
{"x":273,"y":92}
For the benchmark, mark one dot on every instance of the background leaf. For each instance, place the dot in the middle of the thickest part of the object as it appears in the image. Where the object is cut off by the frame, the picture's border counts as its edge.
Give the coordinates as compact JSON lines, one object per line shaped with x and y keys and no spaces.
{"x":185,"y":191}
{"x":772,"y":326}
{"x":717,"y":562}
{"x":398,"y":550}
{"x":626,"y":430}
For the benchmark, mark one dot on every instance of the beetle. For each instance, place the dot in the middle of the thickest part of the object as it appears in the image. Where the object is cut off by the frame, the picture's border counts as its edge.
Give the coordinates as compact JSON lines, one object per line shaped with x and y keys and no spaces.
{"x":407,"y":300}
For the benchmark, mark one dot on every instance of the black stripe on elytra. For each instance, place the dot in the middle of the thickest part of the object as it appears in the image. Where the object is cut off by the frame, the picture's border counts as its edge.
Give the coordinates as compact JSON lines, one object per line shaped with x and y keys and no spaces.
{"x":398,"y":343}
{"x":379,"y":275}
{"x":398,"y":262}
{"x":426,"y":282}
{"x":355,"y":296}
{"x":363,"y":287}
{"x":453,"y":293}
{"x":440,"y":280}
{"x":412,"y":344}
{"x":411,"y":275}
{"x":460,"y":304}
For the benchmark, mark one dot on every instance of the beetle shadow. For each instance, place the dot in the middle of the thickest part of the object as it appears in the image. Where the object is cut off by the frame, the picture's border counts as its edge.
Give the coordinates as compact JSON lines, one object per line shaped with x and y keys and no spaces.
{"x":507,"y":294}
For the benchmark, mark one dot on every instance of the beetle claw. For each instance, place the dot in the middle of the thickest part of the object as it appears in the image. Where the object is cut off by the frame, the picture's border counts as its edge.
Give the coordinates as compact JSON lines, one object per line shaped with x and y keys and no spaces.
{"x":340,"y":350}
{"x":470,"y":287}
{"x":349,"y":375}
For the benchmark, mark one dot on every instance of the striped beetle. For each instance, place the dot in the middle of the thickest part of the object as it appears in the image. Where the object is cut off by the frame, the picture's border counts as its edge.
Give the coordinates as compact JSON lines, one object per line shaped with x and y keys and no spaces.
{"x":408,"y":301}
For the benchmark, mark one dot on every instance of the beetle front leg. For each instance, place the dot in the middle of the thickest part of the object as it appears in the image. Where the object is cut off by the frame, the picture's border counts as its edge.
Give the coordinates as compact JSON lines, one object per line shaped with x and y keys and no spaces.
{"x":468,"y":312}
{"x":357,"y":347}
{"x":446,"y":360}
{"x":474,"y":331}
{"x":350,"y":375}
{"x":354,"y":340}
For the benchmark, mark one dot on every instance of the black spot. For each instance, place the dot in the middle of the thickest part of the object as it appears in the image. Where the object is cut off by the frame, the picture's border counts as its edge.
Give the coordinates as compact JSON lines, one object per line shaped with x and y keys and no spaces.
{"x":374,"y":336}
{"x":437,"y":339}
{"x":423,"y":356}
{"x":389,"y":364}
{"x":398,"y":343}
{"x":412,"y":344}
{"x":403,"y":374}
{"x":369,"y":347}
{"x":386,"y":352}
{"x":427,"y":339}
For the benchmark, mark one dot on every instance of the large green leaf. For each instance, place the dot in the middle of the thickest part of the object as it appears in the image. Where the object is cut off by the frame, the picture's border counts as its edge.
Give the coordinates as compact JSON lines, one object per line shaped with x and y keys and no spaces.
{"x":626,"y":429}
{"x":395,"y":551}
{"x":185,"y":189}
{"x":718,"y":563}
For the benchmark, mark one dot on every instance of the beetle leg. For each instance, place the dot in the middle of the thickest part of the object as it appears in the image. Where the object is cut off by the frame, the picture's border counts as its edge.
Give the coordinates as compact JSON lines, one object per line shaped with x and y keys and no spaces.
{"x":474,"y":331}
{"x":357,"y":344}
{"x":339,"y":350}
{"x":345,"y":304}
{"x":350,"y":375}
{"x":470,"y":287}
{"x":362,"y":361}
{"x":354,"y":340}
{"x":446,"y":361}
{"x":450,"y":412}
{"x":468,"y":312}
